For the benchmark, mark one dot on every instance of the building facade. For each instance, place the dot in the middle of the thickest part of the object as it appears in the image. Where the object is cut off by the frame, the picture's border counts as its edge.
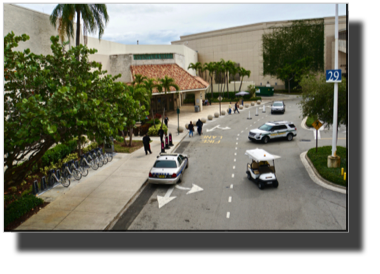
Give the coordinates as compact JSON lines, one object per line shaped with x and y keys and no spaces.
{"x":243,"y":45}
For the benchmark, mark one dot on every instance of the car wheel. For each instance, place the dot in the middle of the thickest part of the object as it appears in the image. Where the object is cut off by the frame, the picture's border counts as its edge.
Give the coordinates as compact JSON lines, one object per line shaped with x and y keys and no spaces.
{"x":289,"y":137}
{"x":249,"y":176}
{"x":180,"y":178}
{"x":275,"y":184}
{"x":187,"y":164}
{"x":265,"y":139}
{"x":260,"y":185}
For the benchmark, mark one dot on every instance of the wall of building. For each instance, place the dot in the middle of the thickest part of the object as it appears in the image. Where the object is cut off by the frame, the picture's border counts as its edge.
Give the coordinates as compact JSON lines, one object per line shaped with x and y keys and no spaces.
{"x":243,"y":45}
{"x":330,"y":40}
{"x":37,"y":25}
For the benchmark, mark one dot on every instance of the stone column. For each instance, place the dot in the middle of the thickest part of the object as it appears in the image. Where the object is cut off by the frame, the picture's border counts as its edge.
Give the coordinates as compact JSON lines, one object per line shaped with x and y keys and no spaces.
{"x":198,"y":100}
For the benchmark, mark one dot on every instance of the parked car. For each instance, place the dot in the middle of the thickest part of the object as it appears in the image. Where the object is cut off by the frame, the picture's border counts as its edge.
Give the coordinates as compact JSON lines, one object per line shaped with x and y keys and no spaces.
{"x":168,"y":168}
{"x":273,"y":130}
{"x":278,"y":106}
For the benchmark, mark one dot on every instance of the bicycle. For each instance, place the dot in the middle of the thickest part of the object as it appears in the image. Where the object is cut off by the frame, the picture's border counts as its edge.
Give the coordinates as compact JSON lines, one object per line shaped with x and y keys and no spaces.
{"x":82,"y":165}
{"x":96,"y":158}
{"x":108,"y":155}
{"x":53,"y":178}
{"x":70,"y":169}
{"x":101,"y":156}
{"x":90,"y":161}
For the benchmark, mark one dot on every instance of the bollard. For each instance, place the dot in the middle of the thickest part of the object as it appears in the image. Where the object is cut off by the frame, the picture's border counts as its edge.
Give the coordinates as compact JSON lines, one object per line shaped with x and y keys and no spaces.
{"x":344,"y":178}
{"x":162,"y":147}
{"x":263,"y":108}
{"x":170,"y":140}
{"x":166,"y":143}
{"x":249,"y":115}
{"x":257,"y":111}
{"x":43,"y":183}
{"x":35,"y":187}
{"x":342,"y":171}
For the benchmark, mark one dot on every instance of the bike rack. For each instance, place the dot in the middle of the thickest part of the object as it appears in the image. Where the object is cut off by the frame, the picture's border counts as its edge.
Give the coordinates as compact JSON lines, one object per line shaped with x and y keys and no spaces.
{"x":35,"y":187}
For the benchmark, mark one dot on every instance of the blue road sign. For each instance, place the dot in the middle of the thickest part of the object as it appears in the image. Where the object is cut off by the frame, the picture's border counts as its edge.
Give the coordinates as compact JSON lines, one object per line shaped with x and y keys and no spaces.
{"x":334,"y":76}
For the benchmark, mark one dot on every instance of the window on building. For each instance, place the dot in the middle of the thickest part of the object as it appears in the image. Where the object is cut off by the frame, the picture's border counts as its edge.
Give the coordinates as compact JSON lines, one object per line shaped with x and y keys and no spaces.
{"x":153,"y":56}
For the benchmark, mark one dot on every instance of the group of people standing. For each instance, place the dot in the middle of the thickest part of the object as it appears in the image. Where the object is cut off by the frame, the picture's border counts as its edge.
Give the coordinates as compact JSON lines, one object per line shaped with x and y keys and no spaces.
{"x":146,"y":139}
{"x":199,"y":125}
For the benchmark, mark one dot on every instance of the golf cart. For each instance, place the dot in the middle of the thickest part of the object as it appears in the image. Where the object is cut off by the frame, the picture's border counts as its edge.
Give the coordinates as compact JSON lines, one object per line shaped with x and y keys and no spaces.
{"x":260,"y":170}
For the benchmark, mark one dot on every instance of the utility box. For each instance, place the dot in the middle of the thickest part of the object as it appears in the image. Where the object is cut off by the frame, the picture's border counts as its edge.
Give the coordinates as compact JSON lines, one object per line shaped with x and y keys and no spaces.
{"x":196,"y":108}
{"x":264,"y":91}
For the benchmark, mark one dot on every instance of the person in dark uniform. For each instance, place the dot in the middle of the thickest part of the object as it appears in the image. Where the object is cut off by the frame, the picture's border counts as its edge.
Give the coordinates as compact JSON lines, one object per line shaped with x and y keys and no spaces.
{"x":161,"y":133}
{"x":236,"y":108}
{"x":166,"y":120}
{"x":146,"y":141}
{"x":199,"y":124}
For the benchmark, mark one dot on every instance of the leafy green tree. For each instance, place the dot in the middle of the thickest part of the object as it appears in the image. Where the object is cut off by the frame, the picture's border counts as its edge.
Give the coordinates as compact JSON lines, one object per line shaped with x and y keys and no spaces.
{"x":94,"y":17}
{"x":318,"y":99}
{"x":54,"y":98}
{"x":295,"y":70}
{"x":233,"y":70}
{"x":285,"y":47}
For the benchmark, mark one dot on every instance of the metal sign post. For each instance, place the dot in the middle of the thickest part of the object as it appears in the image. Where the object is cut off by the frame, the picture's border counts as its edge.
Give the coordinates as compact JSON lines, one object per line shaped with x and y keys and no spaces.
{"x":178,"y":119}
{"x":317,"y":124}
{"x":220,"y":100}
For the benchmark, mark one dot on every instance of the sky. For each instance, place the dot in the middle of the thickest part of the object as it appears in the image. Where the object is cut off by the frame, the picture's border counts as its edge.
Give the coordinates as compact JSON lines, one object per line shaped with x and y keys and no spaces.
{"x":154,"y":24}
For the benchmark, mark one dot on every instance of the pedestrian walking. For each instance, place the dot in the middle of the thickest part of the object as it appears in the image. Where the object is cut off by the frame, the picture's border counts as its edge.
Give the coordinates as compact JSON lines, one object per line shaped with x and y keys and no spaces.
{"x":191,"y":129}
{"x":229,"y":109}
{"x":199,"y":125}
{"x":166,"y":120}
{"x":161,"y":133}
{"x":236,"y":108}
{"x":146,"y":142}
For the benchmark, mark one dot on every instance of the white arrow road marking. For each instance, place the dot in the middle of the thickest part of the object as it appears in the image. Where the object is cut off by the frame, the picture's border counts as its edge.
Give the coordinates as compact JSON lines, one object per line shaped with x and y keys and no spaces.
{"x":166,"y":199}
{"x":194,"y":189}
{"x":222,"y":128}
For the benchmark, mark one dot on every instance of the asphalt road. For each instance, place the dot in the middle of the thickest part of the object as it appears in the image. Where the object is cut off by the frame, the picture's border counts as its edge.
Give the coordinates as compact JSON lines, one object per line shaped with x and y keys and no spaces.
{"x":229,"y":201}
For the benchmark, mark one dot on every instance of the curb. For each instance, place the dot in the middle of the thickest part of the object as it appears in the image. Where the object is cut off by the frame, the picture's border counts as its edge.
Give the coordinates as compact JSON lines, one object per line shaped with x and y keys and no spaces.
{"x":314,"y":175}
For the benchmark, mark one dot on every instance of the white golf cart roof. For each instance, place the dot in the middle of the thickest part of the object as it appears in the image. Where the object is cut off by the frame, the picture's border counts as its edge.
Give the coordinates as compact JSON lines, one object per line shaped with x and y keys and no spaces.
{"x":259,"y":155}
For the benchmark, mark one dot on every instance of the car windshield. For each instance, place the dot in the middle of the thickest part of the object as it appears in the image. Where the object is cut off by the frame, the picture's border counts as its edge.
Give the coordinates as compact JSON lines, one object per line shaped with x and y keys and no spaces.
{"x":165,"y":164}
{"x":265,"y":127}
{"x":277,"y":104}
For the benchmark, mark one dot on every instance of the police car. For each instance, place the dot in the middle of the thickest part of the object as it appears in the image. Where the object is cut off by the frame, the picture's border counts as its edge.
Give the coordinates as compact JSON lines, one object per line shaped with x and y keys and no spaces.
{"x":168,"y":168}
{"x":273,"y":130}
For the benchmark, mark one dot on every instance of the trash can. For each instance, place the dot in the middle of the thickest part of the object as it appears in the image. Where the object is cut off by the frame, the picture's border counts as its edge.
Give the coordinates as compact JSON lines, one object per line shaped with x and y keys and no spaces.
{"x":196,"y":108}
{"x":264,"y":91}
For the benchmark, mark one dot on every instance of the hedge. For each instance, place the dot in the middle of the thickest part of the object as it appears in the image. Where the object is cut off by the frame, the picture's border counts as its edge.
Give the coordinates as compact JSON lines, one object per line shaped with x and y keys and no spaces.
{"x":153,"y":130}
{"x":58,"y":152}
{"x":20,"y":207}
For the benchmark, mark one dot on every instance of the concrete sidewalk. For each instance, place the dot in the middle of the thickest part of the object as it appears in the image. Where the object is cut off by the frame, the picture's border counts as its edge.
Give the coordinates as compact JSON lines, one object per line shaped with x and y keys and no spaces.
{"x":95,"y":201}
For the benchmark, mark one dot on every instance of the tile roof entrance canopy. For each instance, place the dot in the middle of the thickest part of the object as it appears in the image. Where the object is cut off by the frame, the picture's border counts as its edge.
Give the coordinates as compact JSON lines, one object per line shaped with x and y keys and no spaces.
{"x":182,"y":78}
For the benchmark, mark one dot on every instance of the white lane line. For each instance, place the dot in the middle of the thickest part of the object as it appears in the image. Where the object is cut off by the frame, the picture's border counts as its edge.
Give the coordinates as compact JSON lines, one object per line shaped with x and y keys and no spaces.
{"x":237,"y":139}
{"x":234,"y":160}
{"x":230,"y":199}
{"x":233,"y":175}
{"x":233,"y":167}
{"x":236,"y":143}
{"x":242,"y":131}
{"x":236,"y":148}
{"x":235,"y":153}
{"x":228,"y":215}
{"x":238,"y":134}
{"x":246,"y":128}
{"x":231,"y":186}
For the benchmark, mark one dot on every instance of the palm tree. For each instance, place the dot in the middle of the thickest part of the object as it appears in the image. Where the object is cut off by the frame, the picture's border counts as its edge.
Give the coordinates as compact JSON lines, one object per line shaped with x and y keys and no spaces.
{"x":139,"y":79}
{"x":229,"y":65}
{"x":243,"y":72}
{"x":211,"y":67}
{"x":218,"y":70}
{"x":197,"y":67}
{"x":93,"y":16}
{"x":223,"y":70}
{"x":233,"y":70}
{"x":165,"y":84}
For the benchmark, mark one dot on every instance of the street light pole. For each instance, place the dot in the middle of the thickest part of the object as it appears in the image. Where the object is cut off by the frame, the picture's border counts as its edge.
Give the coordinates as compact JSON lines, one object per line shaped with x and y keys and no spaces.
{"x":335,"y":115}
